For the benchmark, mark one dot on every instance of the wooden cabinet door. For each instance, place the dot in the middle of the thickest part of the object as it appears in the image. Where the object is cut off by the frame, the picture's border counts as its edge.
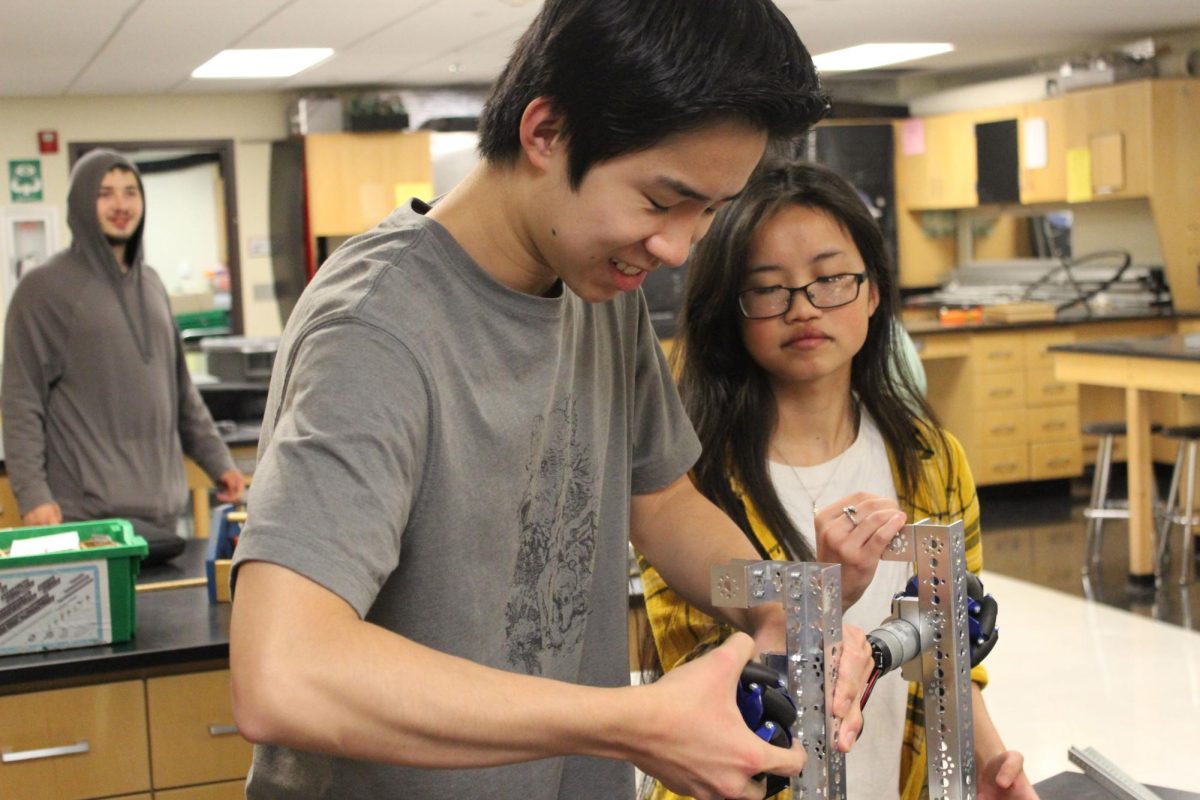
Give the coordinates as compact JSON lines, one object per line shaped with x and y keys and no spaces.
{"x":354,"y":178}
{"x":69,"y":744}
{"x":942,"y":175}
{"x":1113,"y":123}
{"x":1043,"y":138}
{"x":192,"y":735}
{"x":227,"y":790}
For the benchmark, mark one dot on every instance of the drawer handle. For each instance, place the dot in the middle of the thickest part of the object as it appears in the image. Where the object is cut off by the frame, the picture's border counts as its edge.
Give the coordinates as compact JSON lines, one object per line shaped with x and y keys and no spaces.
{"x":1054,"y":388}
{"x":1058,"y":462}
{"x":1054,"y":426}
{"x":45,"y":752}
{"x":1008,"y":466}
{"x":222,"y":730}
{"x":1000,"y":392}
{"x":1000,"y":355}
{"x":1004,"y":429}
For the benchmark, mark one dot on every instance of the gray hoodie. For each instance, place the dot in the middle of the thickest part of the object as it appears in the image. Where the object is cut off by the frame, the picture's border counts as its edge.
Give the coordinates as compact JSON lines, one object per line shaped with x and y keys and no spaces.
{"x":98,"y":404}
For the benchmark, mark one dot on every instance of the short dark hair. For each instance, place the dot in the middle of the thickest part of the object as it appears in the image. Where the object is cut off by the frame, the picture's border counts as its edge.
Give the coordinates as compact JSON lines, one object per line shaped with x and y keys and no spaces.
{"x":728,"y":396}
{"x":626,"y":74}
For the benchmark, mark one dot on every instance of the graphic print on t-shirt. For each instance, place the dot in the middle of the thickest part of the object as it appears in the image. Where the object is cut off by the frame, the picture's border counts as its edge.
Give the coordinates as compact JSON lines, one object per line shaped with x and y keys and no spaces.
{"x":548,"y":603}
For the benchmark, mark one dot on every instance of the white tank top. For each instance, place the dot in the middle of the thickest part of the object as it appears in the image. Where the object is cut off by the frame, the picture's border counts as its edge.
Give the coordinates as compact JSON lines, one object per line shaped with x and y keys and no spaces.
{"x":873,"y":766}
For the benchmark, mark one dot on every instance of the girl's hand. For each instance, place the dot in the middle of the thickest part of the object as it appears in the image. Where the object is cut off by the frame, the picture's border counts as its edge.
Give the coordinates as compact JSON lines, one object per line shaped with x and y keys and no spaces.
{"x":857,"y":540}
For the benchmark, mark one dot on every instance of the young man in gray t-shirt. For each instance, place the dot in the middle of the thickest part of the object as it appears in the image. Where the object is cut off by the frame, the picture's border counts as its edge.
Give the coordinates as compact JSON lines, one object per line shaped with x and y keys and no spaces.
{"x":471,"y":417}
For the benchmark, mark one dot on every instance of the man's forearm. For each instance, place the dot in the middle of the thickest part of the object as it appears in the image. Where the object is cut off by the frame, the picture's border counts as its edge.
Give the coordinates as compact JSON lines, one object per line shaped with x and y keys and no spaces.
{"x":684,"y":535}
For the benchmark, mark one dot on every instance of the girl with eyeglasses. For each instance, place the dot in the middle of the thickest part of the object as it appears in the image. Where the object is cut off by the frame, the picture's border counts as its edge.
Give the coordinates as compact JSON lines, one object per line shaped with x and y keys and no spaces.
{"x":816,"y":440}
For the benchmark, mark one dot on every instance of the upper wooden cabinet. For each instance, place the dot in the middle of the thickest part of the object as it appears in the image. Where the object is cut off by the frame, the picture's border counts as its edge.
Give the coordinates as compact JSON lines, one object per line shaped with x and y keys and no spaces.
{"x":1043,"y":137}
{"x":935,"y":161}
{"x":1113,"y":125}
{"x":354,"y":178}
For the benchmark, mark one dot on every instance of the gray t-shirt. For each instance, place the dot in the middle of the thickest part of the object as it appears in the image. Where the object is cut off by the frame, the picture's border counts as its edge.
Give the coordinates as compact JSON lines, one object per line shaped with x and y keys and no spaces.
{"x":456,"y":460}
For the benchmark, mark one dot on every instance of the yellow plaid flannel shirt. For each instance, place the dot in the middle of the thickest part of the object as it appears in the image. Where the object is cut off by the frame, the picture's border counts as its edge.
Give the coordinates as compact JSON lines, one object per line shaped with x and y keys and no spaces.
{"x":945,"y":493}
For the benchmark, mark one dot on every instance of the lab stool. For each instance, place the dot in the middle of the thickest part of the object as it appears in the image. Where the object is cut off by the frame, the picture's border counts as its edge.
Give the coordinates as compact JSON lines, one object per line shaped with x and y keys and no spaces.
{"x":1102,"y":507}
{"x":1174,"y":514}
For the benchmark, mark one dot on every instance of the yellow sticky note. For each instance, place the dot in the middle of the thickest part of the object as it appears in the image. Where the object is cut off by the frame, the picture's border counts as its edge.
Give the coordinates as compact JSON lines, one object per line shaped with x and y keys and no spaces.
{"x":422,"y":190}
{"x":1079,"y":174}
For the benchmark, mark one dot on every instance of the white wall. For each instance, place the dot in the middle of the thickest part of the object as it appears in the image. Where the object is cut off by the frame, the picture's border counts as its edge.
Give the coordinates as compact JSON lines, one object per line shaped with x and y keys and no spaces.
{"x":252,"y":120}
{"x":182,"y":235}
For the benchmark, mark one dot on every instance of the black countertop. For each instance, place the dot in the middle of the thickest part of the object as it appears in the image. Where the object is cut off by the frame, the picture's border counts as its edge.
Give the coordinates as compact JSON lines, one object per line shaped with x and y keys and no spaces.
{"x":175,"y":628}
{"x":924,"y":327}
{"x":1184,"y":347}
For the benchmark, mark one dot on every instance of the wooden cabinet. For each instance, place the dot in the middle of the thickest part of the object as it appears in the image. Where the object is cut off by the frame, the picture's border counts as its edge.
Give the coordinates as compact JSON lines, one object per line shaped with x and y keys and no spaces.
{"x":229,"y":790}
{"x":1113,"y":125}
{"x":1043,"y":138}
{"x":1015,"y":422}
{"x":940,"y":172}
{"x":173,"y":735}
{"x":354,"y":179}
{"x":192,"y":736}
{"x":70,"y":744}
{"x":1138,"y":140}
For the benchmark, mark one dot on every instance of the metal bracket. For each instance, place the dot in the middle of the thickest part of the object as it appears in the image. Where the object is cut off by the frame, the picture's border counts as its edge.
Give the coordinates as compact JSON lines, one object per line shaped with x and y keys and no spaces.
{"x":944,"y":668}
{"x":811,"y":595}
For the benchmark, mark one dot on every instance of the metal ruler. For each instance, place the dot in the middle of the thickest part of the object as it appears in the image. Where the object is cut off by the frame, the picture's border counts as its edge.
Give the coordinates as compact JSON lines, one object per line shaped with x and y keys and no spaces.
{"x":1109,"y":775}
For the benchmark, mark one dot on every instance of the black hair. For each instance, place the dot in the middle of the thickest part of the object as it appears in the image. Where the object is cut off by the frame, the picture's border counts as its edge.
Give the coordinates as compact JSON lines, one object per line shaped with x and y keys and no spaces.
{"x":627,"y":74}
{"x":728,"y":395}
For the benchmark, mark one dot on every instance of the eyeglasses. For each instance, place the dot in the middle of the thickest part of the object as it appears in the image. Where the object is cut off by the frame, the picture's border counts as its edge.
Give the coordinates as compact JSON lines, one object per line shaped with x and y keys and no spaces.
{"x":829,"y":291}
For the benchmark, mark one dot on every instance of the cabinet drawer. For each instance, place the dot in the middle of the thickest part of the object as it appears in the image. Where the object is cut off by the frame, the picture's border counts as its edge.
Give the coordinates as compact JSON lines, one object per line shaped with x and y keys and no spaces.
{"x":1042,"y":389}
{"x":1053,"y":423}
{"x":1000,"y":428}
{"x":74,"y":743}
{"x":192,"y":735}
{"x":228,"y":790}
{"x":1055,"y":460}
{"x":1003,"y":352}
{"x":1036,"y":344}
{"x":1002,"y":464}
{"x":1000,"y":390}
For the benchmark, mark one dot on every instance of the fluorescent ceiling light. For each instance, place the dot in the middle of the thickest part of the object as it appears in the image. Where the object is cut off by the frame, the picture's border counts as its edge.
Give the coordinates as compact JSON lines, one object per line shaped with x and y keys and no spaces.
{"x":868,"y":56}
{"x":277,"y":63}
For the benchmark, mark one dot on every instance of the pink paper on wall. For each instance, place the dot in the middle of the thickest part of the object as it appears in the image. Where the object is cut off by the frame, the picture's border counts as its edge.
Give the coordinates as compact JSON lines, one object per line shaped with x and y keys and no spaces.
{"x":912,"y":137}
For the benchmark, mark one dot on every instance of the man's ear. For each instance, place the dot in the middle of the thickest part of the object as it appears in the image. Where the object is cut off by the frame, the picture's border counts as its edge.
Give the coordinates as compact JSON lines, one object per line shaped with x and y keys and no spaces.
{"x":542,"y":133}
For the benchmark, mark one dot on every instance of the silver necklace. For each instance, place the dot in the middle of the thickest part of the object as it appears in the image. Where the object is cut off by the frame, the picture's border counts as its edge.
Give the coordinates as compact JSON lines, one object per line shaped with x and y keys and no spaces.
{"x":815,"y":498}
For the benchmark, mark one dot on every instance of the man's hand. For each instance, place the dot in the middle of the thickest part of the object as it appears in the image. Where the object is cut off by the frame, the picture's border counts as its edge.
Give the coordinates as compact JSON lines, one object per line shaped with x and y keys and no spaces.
{"x":45,"y":514}
{"x":1003,"y":778}
{"x":696,"y":742}
{"x":857,"y":544}
{"x":231,"y":486}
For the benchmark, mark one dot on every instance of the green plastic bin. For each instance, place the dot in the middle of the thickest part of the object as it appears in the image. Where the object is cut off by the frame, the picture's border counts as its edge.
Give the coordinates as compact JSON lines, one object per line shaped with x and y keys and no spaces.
{"x":74,"y":598}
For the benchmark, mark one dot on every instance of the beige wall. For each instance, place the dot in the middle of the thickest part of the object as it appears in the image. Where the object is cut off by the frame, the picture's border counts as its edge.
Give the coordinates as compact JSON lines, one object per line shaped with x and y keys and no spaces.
{"x":252,"y":120}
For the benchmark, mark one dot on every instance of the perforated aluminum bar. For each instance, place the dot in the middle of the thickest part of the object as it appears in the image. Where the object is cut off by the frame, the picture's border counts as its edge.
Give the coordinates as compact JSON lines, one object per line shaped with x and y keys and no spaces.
{"x":811,"y":595}
{"x":944,"y":668}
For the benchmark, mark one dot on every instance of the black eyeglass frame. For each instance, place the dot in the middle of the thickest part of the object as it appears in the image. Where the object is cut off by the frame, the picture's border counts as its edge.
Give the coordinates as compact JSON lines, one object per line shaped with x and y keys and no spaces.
{"x":860,"y":279}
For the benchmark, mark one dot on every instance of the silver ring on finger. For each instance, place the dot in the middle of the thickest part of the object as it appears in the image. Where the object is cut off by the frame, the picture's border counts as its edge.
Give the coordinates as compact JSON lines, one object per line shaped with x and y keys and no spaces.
{"x":850,"y":511}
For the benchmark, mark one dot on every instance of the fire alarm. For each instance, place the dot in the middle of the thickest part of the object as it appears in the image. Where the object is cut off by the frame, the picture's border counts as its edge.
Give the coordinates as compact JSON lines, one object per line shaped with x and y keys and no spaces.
{"x":47,"y":142}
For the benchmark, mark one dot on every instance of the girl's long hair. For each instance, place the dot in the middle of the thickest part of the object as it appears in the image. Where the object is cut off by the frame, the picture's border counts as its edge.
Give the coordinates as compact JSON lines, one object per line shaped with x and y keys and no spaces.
{"x":727,"y":394}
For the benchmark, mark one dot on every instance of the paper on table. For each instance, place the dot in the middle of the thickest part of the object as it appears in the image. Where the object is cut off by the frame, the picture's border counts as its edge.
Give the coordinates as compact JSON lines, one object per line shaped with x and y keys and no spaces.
{"x":40,"y":545}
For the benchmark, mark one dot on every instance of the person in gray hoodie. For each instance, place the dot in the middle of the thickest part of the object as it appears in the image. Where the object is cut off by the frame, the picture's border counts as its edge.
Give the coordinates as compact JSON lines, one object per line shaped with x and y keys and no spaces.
{"x":98,"y":406}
